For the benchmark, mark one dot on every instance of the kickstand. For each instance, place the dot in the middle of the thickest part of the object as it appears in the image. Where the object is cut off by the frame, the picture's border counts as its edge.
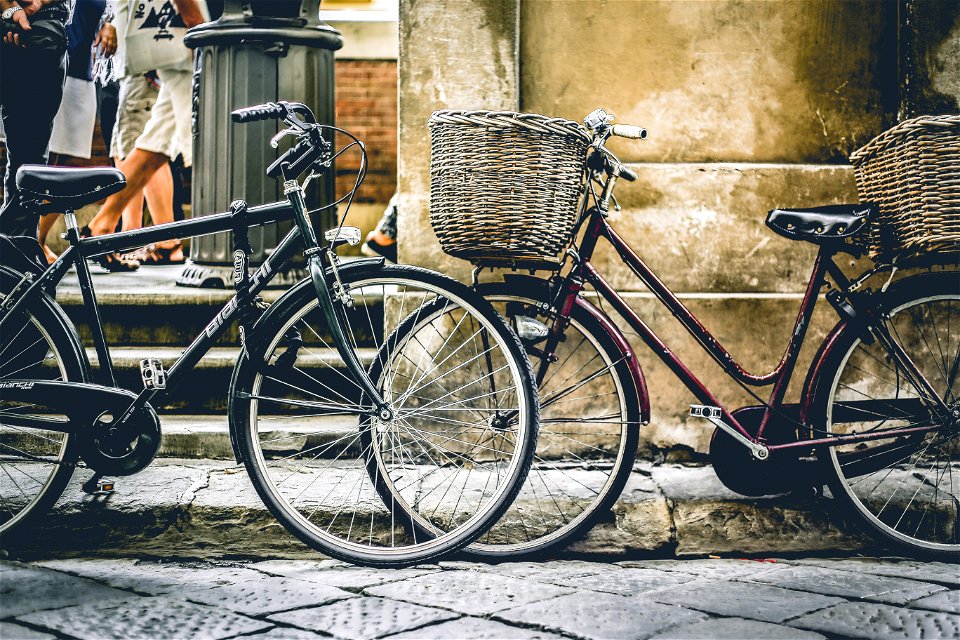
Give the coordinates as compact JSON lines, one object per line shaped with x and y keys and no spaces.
{"x":98,"y":486}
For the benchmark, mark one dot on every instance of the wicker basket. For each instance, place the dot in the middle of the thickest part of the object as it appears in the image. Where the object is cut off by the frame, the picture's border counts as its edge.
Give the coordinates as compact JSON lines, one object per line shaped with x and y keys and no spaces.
{"x":505,"y":187}
{"x":913,"y":172}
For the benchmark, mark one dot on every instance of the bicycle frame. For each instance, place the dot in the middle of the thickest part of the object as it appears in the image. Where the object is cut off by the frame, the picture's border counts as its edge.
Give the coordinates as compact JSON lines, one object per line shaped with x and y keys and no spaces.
{"x":82,"y":248}
{"x":595,"y":226}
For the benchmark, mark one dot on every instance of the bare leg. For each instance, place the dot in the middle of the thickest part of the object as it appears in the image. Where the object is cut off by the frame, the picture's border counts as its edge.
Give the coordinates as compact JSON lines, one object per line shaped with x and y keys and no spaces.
{"x":46,"y":223}
{"x":138,"y":167}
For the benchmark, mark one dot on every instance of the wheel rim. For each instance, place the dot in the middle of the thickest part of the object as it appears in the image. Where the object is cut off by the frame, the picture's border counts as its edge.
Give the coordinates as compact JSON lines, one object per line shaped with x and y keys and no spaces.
{"x":350,"y":516}
{"x":908,"y":486}
{"x":29,"y":458}
{"x":584,"y":429}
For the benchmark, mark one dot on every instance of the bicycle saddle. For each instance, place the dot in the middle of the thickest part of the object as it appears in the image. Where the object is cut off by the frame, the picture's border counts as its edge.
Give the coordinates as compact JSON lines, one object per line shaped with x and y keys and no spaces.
{"x":821,"y":225}
{"x":69,"y":188}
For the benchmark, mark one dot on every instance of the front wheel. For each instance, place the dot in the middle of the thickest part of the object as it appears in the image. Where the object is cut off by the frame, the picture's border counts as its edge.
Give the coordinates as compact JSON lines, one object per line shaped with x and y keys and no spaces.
{"x":393,"y":491}
{"x":904,"y":488}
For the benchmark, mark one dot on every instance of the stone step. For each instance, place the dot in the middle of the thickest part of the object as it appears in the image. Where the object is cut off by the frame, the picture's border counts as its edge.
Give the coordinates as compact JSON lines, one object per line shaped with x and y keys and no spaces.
{"x":147,"y":307}
{"x":208,"y":508}
{"x":204,"y":389}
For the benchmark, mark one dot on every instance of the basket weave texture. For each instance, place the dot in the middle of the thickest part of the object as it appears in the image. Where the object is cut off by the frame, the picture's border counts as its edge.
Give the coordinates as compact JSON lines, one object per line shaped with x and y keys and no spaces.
{"x":913,"y":172}
{"x":505,"y":187}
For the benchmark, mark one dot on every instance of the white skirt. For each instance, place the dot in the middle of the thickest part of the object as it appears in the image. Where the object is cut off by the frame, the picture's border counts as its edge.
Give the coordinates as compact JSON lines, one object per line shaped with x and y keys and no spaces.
{"x":74,"y":124}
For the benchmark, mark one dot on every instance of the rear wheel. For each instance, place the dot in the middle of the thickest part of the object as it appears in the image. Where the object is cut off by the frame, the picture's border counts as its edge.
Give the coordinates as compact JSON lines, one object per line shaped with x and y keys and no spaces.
{"x":35,"y":464}
{"x":388,"y":491}
{"x":904,"y":488}
{"x":589,"y":429}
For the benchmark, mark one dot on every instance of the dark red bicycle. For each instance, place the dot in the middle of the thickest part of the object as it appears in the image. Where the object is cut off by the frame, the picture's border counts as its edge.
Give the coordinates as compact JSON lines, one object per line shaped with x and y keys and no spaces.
{"x":879,"y":408}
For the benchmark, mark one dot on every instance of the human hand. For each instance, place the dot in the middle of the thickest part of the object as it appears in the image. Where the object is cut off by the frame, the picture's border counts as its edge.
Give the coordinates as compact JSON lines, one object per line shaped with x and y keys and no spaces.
{"x":30,"y":7}
{"x":107,"y":39}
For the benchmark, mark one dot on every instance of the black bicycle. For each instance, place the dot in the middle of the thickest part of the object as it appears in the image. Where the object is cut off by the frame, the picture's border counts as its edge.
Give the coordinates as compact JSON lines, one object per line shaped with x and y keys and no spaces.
{"x":414,"y":451}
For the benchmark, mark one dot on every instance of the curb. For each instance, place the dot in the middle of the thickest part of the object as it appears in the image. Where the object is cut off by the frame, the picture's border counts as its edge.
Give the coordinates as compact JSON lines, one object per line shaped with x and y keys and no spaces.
{"x":209,"y":509}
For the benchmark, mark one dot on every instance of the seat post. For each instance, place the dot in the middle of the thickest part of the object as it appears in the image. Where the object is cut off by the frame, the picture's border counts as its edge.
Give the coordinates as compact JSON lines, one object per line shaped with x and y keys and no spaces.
{"x":70,"y":218}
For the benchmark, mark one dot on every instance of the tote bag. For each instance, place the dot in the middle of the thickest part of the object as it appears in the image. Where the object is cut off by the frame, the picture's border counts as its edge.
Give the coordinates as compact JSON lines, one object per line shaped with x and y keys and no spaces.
{"x":154,"y":37}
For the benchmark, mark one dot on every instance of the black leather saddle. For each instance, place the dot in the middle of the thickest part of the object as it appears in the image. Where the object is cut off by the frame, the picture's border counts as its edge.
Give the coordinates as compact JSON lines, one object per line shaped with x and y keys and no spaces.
{"x":67,"y":187}
{"x":821,"y":225}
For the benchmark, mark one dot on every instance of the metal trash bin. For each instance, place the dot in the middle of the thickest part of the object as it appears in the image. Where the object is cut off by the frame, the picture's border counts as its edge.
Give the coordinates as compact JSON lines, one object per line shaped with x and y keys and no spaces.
{"x":256,"y":52}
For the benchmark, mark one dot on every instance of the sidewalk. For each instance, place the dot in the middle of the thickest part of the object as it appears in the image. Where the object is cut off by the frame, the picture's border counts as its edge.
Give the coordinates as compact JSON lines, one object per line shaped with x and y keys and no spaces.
{"x":125,"y":598}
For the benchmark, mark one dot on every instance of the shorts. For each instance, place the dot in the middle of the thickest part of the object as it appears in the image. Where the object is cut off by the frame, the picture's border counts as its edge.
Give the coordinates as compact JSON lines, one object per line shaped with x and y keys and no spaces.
{"x":137,"y":98}
{"x":73,"y":127}
{"x":169,"y":129}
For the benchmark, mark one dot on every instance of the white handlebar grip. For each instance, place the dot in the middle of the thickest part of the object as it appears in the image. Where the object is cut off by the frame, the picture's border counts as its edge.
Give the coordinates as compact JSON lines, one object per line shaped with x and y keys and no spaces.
{"x":629,"y":131}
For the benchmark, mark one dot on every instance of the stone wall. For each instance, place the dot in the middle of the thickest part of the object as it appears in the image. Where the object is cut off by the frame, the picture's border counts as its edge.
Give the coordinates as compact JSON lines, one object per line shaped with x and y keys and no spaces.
{"x":750,"y":105}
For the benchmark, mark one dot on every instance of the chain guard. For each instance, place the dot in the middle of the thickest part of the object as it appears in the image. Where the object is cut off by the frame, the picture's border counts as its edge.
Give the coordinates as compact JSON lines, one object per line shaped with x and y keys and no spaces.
{"x":739,"y":471}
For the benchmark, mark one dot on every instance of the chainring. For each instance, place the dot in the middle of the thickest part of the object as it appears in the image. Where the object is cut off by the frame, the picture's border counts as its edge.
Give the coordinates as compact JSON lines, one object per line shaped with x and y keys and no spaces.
{"x":108,"y":453}
{"x":739,"y":471}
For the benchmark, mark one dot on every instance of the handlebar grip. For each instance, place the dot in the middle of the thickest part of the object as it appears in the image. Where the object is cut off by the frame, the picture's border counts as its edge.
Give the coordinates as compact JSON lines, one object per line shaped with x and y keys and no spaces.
{"x":268,"y":111}
{"x":629,"y":131}
{"x":627,"y":174}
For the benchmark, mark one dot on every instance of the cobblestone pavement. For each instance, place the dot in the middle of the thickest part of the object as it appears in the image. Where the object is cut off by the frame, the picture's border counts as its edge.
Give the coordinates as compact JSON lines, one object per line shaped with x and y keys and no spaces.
{"x":301,"y":599}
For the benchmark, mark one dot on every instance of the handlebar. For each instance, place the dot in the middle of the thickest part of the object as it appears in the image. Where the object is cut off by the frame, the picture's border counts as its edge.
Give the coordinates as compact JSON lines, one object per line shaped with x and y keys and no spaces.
{"x":628,"y":131}
{"x":273,"y":111}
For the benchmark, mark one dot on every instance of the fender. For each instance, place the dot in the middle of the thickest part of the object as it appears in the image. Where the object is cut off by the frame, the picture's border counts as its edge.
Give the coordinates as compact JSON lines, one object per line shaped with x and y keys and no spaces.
{"x":811,"y":383}
{"x":256,"y":343}
{"x":76,"y":348}
{"x":633,"y":364}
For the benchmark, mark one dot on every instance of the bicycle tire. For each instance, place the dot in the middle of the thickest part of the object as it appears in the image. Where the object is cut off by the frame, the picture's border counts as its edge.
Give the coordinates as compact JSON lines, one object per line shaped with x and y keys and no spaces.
{"x":575,"y":478}
{"x":26,"y":350}
{"x":387,"y":536}
{"x":923,"y":314}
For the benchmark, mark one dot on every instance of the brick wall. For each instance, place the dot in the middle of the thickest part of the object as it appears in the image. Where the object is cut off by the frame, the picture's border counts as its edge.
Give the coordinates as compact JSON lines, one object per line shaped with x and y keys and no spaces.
{"x":366,"y":106}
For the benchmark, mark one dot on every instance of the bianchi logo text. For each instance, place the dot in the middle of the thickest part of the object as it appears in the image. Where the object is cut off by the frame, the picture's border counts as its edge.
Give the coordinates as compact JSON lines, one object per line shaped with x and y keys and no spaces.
{"x":16,"y":385}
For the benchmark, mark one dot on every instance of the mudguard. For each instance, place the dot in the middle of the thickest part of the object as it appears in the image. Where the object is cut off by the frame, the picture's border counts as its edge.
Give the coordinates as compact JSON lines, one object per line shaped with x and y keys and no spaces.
{"x":612,"y":330}
{"x":11,"y":276}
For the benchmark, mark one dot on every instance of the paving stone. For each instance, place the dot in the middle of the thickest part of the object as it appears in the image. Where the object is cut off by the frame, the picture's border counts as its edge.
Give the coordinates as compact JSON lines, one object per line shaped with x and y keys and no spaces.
{"x":148,"y":618}
{"x":626,"y":582}
{"x":736,"y":629}
{"x":942,"y":572}
{"x":268,"y":595}
{"x":21,"y":588}
{"x":873,"y":620}
{"x":543,"y":571}
{"x":600,"y":616}
{"x":716,"y":568}
{"x":363,"y":618}
{"x":948,"y":601}
{"x":474,"y":629}
{"x":862,"y":586}
{"x":340,"y":574}
{"x":10,"y":631}
{"x":155,"y":578}
{"x":468,"y":592}
{"x":744,"y":600}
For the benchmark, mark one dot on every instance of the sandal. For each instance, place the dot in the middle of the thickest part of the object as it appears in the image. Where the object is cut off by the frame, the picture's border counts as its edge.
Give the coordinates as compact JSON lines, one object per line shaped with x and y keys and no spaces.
{"x":163,"y":255}
{"x":116,"y":263}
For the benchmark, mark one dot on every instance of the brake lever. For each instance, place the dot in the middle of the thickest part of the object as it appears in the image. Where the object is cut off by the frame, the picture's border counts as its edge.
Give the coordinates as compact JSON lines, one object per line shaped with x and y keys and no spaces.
{"x":275,"y":140}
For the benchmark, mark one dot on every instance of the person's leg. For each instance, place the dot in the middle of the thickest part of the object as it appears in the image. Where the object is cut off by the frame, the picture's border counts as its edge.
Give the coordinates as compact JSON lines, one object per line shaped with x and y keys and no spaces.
{"x":31,"y":94}
{"x":138,"y":167}
{"x":108,"y":101}
{"x":46,"y":223}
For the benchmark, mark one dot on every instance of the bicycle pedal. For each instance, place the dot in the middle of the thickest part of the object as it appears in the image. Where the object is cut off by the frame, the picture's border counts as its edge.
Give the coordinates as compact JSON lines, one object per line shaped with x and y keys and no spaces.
{"x":343,"y":235}
{"x":152,"y":373}
{"x":704,"y":411}
{"x":97,"y":486}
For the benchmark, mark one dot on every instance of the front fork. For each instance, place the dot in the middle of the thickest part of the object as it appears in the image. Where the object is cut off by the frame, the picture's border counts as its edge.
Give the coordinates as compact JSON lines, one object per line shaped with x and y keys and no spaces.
{"x":316,"y":258}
